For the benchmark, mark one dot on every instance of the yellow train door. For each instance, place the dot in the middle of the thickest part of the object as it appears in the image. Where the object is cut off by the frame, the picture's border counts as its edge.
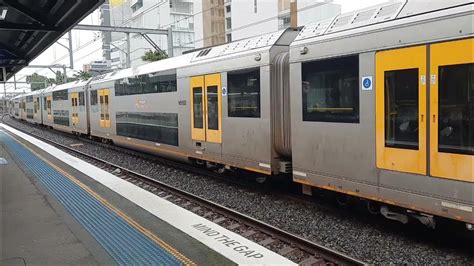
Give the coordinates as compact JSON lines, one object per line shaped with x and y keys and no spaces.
{"x":104,"y":100}
{"x":74,"y":107}
{"x":206,"y":108}
{"x":452,"y":110}
{"x":401,"y":110}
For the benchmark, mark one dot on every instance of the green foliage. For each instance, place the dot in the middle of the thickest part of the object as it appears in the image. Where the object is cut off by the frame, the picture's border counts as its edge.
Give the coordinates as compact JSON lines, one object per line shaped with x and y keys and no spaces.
{"x":152,"y":56}
{"x":38,"y":82}
{"x":60,"y":78}
{"x":82,"y":75}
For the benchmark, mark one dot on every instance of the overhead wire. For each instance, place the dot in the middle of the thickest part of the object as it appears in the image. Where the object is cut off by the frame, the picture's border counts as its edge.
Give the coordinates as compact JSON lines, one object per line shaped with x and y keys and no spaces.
{"x":194,"y":14}
{"x":254,"y":24}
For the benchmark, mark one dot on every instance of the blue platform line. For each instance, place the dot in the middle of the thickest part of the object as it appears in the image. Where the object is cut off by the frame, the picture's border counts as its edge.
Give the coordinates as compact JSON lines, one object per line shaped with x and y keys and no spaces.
{"x":124,"y":243}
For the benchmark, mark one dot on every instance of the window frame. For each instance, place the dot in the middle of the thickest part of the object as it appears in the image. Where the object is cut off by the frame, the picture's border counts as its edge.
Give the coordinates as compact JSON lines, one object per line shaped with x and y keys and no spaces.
{"x":229,"y":97}
{"x":61,"y":95}
{"x":94,"y":100}
{"x":154,"y":127}
{"x":141,"y":83}
{"x":350,"y":72}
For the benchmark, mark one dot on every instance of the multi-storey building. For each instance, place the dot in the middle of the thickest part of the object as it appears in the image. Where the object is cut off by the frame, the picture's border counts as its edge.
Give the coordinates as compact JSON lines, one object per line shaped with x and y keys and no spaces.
{"x":155,"y":14}
{"x":248,"y":18}
{"x":200,"y":23}
{"x":114,"y":13}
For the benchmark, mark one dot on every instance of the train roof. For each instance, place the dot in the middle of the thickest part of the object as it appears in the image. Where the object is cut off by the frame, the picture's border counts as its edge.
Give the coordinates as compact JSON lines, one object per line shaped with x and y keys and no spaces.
{"x":237,"y":48}
{"x":70,"y":85}
{"x":158,"y":66}
{"x":373,"y":15}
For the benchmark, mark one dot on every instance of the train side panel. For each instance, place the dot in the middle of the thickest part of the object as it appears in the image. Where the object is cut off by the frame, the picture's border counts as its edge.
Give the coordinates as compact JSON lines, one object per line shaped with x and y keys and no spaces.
{"x":350,"y":156}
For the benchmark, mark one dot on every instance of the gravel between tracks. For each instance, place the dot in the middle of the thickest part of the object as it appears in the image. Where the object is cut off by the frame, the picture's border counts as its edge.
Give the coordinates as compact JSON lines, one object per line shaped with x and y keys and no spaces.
{"x":365,"y":237}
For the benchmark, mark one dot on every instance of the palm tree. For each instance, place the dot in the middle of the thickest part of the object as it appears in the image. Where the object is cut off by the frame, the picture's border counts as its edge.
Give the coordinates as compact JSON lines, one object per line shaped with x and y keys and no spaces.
{"x":152,"y":56}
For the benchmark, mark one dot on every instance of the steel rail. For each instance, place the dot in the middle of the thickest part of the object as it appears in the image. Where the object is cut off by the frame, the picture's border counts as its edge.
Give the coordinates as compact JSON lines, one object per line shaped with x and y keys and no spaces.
{"x":317,"y":254}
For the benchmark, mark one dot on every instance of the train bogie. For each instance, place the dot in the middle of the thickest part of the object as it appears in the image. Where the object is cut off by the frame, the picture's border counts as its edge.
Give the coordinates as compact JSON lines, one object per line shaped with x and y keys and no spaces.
{"x":376,"y":104}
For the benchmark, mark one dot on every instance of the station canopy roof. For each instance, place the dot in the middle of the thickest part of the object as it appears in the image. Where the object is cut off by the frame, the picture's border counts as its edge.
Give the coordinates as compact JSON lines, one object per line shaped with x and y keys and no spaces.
{"x":29,"y":27}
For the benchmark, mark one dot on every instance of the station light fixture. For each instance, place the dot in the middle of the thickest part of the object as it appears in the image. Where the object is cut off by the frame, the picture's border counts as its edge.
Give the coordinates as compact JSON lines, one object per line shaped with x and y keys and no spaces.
{"x":3,"y":12}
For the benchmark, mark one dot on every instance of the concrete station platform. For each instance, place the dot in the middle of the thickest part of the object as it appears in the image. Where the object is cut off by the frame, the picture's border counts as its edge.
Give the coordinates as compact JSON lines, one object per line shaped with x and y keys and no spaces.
{"x":57,"y":209}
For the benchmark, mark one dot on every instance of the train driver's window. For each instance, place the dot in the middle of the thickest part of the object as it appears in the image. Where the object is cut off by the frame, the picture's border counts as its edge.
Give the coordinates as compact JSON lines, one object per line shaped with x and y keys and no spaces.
{"x":456,"y":109}
{"x":330,"y":90}
{"x":243,"y":93}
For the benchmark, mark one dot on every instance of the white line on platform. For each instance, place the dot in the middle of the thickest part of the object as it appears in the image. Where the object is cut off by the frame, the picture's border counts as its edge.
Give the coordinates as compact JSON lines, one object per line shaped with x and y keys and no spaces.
{"x":231,"y":245}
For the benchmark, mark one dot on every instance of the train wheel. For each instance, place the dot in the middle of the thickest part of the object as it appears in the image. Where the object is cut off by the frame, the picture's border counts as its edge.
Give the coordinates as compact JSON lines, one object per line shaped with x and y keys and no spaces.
{"x":373,"y":207}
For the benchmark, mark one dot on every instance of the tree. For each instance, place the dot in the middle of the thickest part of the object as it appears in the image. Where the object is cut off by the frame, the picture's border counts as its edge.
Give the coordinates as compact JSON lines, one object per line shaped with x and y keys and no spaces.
{"x":152,"y":56}
{"x":60,"y":78}
{"x":38,"y":82}
{"x":82,"y":75}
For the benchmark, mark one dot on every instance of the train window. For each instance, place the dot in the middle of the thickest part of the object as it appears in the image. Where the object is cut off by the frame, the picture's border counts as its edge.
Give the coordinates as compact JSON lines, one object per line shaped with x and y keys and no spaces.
{"x":94,"y":97}
{"x":45,"y":106}
{"x":401,"y":109}
{"x":156,"y":127}
{"x":81,"y":98}
{"x":197,"y":108}
{"x":243,"y":93}
{"x":61,"y":117}
{"x":29,"y":113}
{"x":147,"y":83}
{"x":212,"y":108}
{"x":29,"y":99}
{"x":331,"y":90}
{"x":456,"y":109}
{"x":60,"y":95}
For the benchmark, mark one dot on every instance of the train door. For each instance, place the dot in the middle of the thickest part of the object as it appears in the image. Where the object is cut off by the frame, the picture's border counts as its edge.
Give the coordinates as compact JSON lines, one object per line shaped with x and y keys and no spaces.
{"x":74,"y":108}
{"x":35,"y":107}
{"x":104,"y":98}
{"x":48,"y":107}
{"x":452,"y":110}
{"x":401,"y":110}
{"x":206,"y":108}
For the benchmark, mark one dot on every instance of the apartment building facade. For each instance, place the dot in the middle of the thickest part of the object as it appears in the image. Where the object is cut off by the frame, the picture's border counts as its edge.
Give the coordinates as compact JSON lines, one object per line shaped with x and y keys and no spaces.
{"x":249,"y":18}
{"x":199,"y":23}
{"x":156,"y":14}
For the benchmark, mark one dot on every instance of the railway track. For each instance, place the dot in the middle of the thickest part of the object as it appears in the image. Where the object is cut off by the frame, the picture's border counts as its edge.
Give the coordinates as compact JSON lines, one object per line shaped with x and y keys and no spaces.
{"x":291,"y":246}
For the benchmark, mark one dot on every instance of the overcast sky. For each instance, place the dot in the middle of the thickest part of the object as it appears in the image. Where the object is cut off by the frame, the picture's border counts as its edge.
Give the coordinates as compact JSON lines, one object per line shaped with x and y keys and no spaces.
{"x":351,"y":5}
{"x":91,"y":44}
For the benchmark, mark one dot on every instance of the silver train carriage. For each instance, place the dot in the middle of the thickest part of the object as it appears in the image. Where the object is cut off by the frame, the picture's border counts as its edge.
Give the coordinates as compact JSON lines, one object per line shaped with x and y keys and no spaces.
{"x":64,"y":107}
{"x":211,"y":106}
{"x":382,"y":107}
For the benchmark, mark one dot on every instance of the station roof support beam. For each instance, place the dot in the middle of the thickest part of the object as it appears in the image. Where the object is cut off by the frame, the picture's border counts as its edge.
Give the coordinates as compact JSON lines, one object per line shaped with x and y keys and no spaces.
{"x":29,"y":27}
